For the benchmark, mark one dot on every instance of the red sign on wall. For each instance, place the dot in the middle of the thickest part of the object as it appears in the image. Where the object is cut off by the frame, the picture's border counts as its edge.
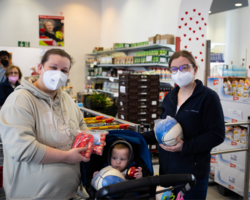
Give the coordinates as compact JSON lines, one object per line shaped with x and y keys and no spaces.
{"x":232,"y":165}
{"x":231,"y":187}
{"x":234,"y":120}
{"x":233,"y":143}
{"x":235,"y":98}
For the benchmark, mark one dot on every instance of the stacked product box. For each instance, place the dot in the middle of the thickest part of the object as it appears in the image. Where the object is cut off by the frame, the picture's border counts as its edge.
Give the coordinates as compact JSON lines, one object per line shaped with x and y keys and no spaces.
{"x":138,"y":98}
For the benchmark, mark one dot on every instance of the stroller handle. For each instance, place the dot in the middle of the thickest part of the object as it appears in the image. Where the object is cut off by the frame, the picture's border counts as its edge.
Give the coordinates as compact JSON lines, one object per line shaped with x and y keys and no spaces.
{"x":152,"y":181}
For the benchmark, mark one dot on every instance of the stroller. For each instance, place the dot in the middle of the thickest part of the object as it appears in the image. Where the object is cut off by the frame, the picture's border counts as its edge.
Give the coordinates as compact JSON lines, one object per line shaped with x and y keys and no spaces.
{"x":145,"y":187}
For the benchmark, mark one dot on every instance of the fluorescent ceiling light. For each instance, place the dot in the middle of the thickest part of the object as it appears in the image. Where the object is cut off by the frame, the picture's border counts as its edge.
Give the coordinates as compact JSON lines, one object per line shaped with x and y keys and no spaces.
{"x":209,"y":12}
{"x":238,"y":4}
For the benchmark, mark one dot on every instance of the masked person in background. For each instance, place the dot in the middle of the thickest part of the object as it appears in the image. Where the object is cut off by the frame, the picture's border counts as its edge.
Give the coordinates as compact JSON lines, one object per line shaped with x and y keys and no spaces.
{"x":13,"y":74}
{"x":4,"y":64}
{"x":38,"y":124}
{"x":199,"y":112}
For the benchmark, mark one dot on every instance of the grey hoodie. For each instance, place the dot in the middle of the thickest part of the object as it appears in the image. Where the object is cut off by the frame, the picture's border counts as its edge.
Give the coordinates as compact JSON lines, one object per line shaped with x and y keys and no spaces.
{"x":29,"y":121}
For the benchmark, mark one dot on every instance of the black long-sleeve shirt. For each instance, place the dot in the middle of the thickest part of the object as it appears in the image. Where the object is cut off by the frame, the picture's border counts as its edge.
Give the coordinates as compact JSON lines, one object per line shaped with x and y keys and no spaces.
{"x":202,"y":121}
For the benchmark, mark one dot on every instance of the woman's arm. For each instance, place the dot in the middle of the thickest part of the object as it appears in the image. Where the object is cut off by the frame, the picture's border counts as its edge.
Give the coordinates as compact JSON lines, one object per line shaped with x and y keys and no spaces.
{"x":56,"y":156}
{"x":214,"y":128}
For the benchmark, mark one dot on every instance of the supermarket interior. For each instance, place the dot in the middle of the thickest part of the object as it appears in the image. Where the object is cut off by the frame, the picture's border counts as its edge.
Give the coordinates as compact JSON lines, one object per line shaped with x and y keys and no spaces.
{"x":169,"y":80}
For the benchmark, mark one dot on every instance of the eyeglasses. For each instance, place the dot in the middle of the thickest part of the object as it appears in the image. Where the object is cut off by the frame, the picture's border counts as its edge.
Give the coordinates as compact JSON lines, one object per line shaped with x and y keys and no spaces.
{"x":14,"y":73}
{"x":182,"y":68}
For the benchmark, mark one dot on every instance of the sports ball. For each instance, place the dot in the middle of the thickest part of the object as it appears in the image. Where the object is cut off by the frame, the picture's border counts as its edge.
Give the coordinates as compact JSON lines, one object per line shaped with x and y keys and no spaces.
{"x":107,"y":176}
{"x":167,"y":130}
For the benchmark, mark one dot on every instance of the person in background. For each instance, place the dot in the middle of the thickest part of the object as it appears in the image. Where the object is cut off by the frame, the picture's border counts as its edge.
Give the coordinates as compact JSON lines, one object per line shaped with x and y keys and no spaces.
{"x":38,"y":124}
{"x":4,"y":64}
{"x":199,"y":112}
{"x":13,"y":74}
{"x":49,"y":25}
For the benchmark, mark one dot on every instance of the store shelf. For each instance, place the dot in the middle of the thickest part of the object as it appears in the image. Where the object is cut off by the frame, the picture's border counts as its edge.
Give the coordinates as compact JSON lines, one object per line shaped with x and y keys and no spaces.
{"x":102,"y":77}
{"x":134,"y":65}
{"x":114,"y":93}
{"x":170,"y":47}
{"x":170,"y":82}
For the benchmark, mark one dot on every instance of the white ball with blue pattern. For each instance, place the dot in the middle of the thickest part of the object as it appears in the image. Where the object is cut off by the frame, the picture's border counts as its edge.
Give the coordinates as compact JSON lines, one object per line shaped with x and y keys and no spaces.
{"x":166,"y":130}
{"x":107,"y":176}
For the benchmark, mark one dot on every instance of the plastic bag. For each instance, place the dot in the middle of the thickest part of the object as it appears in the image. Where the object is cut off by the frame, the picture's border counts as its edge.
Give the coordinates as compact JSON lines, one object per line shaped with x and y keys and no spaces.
{"x":168,"y":127}
{"x":93,"y":140}
{"x":84,"y":140}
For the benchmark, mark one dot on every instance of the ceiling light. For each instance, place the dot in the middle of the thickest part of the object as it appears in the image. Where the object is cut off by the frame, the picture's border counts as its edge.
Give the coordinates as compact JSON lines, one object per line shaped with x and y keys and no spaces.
{"x":209,"y":12}
{"x":238,"y":4}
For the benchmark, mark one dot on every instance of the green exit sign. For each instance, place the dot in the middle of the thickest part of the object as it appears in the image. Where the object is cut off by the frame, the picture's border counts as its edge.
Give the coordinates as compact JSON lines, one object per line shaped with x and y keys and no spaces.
{"x":23,"y":44}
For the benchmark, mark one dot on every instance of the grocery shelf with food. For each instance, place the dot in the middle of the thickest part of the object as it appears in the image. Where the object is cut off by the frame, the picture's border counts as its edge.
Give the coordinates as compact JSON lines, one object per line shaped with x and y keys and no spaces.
{"x":106,"y":66}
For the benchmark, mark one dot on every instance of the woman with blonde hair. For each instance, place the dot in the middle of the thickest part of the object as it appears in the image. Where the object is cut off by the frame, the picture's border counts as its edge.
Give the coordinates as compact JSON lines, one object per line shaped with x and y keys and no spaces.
{"x":13,"y":74}
{"x":49,"y":25}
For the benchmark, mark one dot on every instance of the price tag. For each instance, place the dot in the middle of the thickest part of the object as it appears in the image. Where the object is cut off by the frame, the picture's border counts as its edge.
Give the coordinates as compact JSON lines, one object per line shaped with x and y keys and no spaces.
{"x":111,"y":79}
{"x":149,"y":58}
{"x":95,"y":63}
{"x":162,"y":60}
{"x":122,"y":116}
{"x":121,"y":103}
{"x":91,"y":65}
{"x":115,"y":94}
{"x":89,"y":78}
{"x":123,"y":89}
{"x":154,"y":103}
{"x":153,"y":116}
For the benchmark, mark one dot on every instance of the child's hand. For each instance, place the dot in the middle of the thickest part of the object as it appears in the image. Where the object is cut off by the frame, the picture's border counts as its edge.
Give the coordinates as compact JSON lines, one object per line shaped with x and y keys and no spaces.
{"x":95,"y":173}
{"x":138,"y":173}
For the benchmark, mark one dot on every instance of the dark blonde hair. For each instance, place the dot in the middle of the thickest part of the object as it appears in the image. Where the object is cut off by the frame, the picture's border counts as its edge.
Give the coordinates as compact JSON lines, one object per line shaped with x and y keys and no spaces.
{"x":8,"y":70}
{"x":121,"y":146}
{"x":185,"y":54}
{"x":45,"y":22}
{"x":59,"y":52}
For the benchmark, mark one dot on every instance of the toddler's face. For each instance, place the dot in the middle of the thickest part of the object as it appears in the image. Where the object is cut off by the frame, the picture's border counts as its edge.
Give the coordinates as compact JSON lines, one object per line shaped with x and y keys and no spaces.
{"x":119,"y":158}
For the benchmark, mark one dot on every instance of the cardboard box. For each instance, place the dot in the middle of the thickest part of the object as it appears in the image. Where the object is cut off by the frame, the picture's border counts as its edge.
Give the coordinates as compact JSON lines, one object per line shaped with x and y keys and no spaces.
{"x":96,"y":49}
{"x":167,"y":39}
{"x":151,"y":40}
{"x":158,"y":39}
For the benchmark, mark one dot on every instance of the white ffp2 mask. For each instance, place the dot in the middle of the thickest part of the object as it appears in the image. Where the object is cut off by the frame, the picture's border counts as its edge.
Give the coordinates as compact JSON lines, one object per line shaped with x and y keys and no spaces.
{"x":182,"y":78}
{"x":54,"y":79}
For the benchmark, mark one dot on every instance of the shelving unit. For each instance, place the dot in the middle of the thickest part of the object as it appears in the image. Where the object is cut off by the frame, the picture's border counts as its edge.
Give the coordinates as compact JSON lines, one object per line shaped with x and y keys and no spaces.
{"x":134,"y":65}
{"x":102,"y":77}
{"x":146,"y":47}
{"x":115,"y":94}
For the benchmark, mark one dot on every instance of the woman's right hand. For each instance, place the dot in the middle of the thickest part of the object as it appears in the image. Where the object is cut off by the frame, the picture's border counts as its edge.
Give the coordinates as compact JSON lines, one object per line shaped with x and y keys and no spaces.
{"x":74,"y":156}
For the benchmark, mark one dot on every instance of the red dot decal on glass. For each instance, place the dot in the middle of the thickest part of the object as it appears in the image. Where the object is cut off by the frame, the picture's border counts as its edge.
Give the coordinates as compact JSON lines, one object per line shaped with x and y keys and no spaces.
{"x":191,"y":18}
{"x":194,"y":10}
{"x":199,"y":14}
{"x":195,"y":57}
{"x":202,"y":35}
{"x":185,"y":24}
{"x":182,"y":19}
{"x":186,"y":13}
{"x":185,"y":35}
{"x":190,"y":39}
{"x":193,"y":31}
{"x":203,"y":44}
{"x":202,"y":18}
{"x":205,"y":24}
{"x":179,"y":26}
{"x":201,"y":60}
{"x":199,"y":28}
{"x":197,"y":22}
{"x":200,"y":52}
{"x":197,"y":38}
{"x":185,"y":47}
{"x":190,"y":28}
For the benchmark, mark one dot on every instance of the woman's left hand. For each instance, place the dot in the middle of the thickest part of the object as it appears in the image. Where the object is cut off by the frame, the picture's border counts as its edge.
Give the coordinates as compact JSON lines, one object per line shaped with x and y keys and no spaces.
{"x":176,"y":148}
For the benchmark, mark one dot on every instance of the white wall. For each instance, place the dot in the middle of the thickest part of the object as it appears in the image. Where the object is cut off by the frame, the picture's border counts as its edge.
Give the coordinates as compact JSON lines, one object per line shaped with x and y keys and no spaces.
{"x":19,"y":22}
{"x":136,"y":20}
{"x":231,"y":28}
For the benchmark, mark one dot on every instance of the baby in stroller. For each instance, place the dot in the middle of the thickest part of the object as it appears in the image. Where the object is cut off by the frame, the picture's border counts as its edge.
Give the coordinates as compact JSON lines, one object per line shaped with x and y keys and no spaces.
{"x":121,"y":157}
{"x":133,"y":147}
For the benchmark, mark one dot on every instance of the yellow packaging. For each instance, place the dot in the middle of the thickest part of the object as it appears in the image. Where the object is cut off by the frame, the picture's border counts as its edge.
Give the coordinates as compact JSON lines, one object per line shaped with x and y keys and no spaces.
{"x":237,"y":132}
